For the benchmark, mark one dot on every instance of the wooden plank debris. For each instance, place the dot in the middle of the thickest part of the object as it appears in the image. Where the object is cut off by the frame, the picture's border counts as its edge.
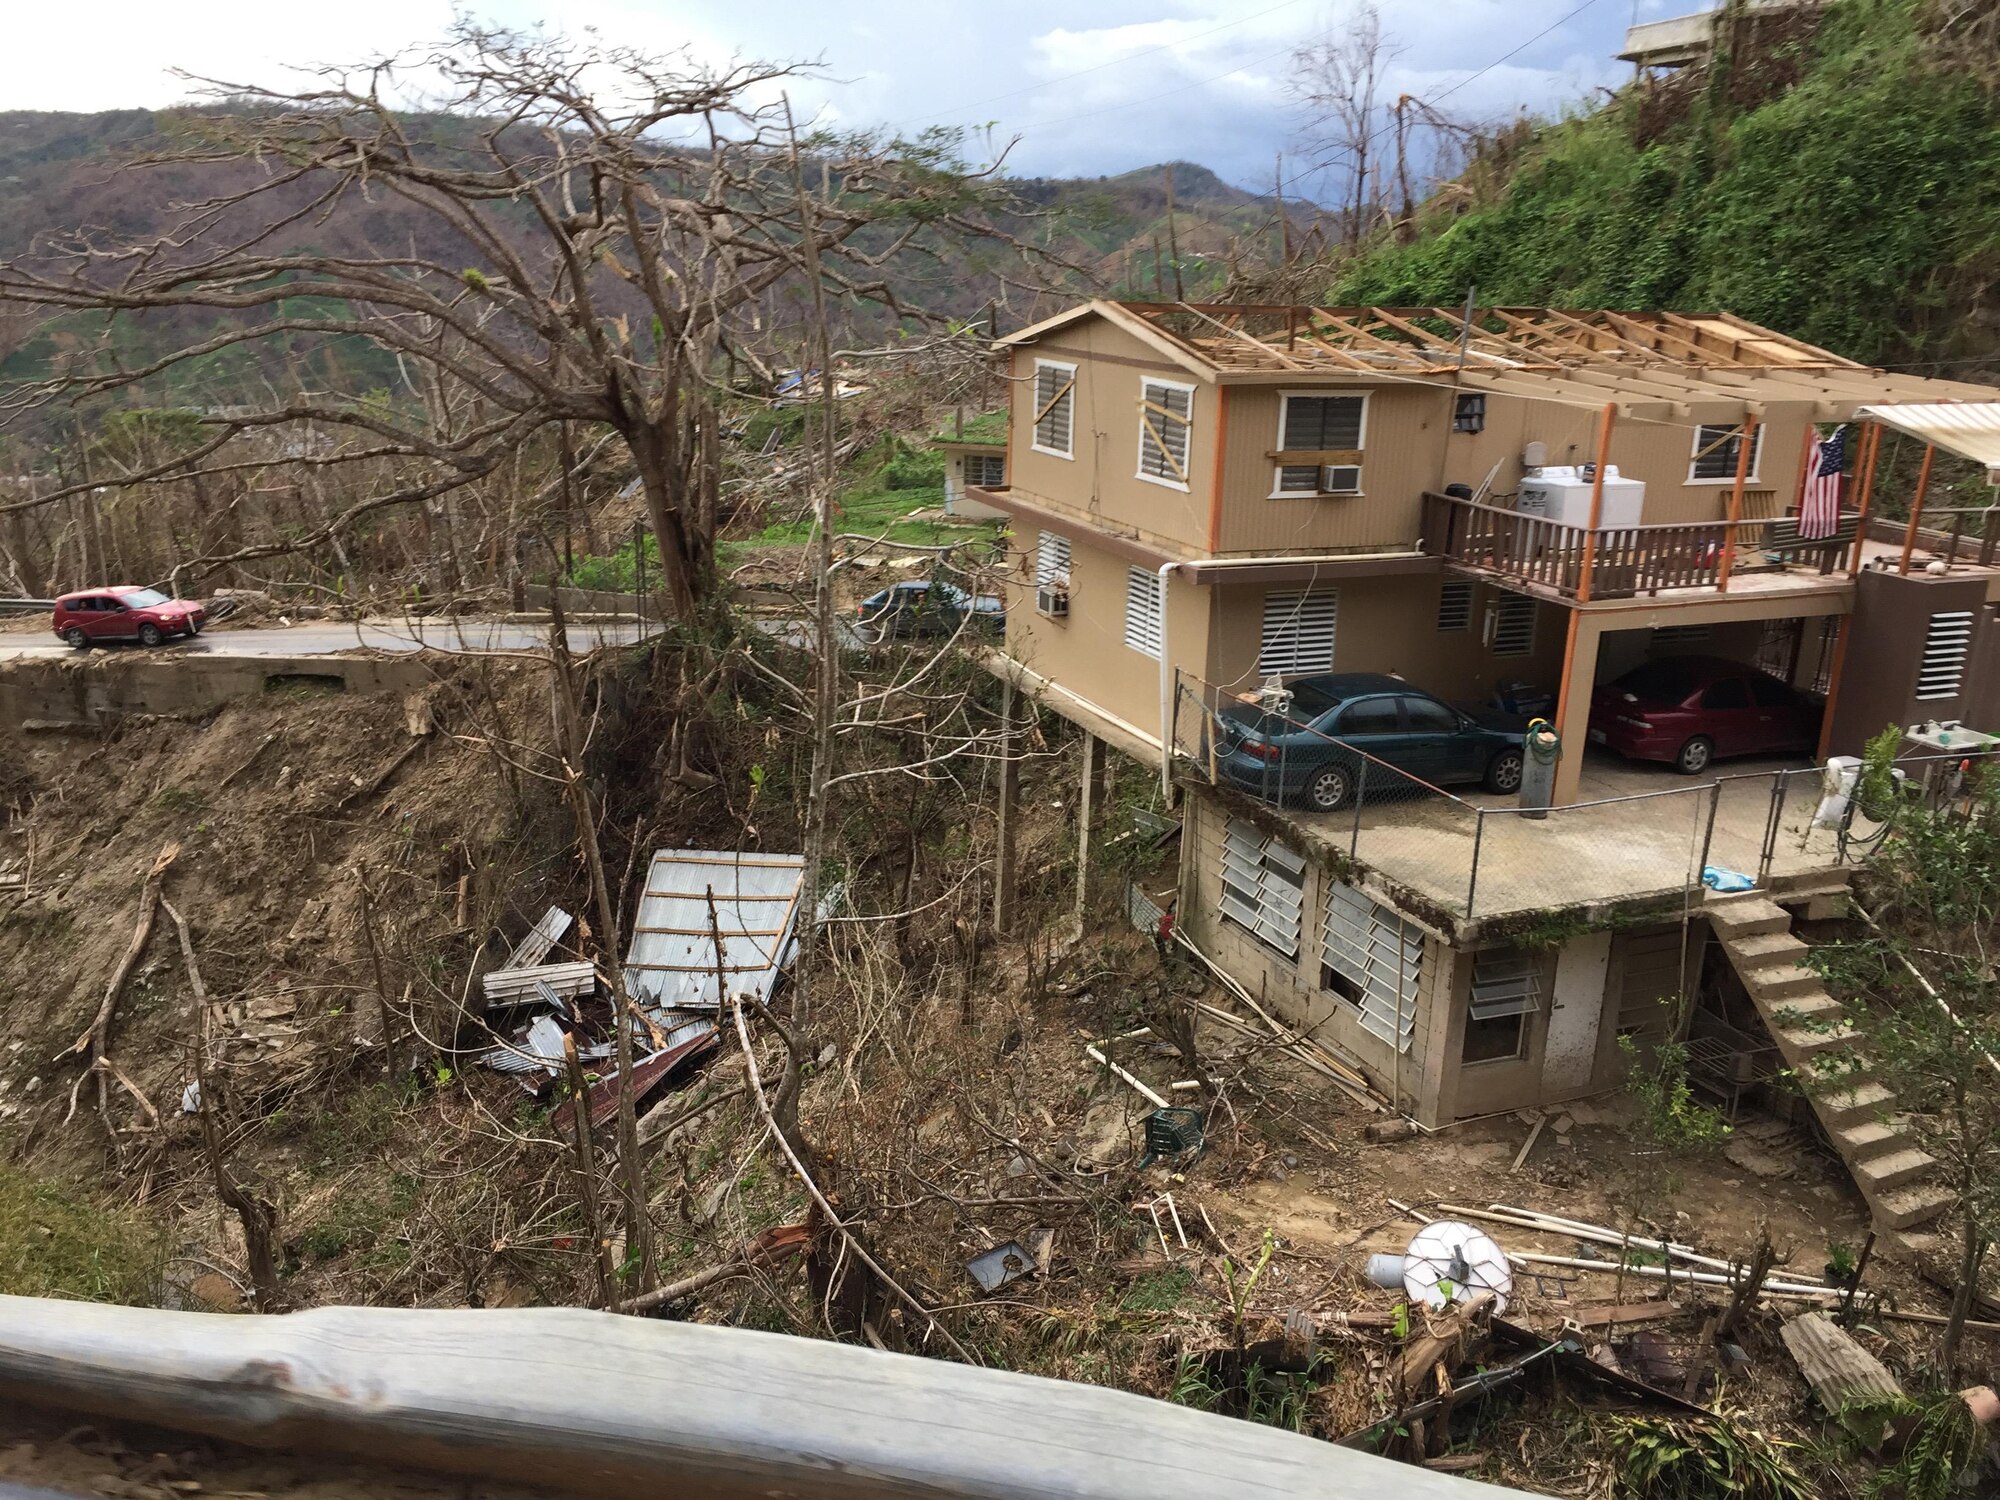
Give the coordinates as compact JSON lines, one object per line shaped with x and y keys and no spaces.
{"x":1837,"y":1368}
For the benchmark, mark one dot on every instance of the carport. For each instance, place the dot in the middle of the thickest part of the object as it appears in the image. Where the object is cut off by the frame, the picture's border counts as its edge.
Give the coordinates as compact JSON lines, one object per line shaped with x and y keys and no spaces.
{"x":1790,"y":633}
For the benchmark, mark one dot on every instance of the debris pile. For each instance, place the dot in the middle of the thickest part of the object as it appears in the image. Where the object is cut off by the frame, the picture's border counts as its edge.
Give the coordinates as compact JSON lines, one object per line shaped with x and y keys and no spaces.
{"x":711,"y":924}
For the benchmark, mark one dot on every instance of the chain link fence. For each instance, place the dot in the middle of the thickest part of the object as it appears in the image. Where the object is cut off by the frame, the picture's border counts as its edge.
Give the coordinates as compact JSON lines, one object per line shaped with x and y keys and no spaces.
{"x":1492,"y":858}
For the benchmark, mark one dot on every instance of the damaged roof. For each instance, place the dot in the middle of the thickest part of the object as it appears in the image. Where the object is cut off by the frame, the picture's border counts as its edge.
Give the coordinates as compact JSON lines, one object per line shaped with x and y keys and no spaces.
{"x":1664,"y":365}
{"x":672,"y":960}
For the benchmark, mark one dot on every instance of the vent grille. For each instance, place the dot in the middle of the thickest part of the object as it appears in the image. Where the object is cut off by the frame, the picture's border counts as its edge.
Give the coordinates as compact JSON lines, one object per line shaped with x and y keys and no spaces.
{"x":1510,"y":626}
{"x":1942,"y":671}
{"x":1299,"y":628}
{"x":1454,"y":606}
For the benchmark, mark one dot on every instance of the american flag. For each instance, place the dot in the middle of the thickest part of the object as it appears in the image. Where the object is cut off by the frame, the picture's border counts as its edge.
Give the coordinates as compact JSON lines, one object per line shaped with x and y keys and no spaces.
{"x":1819,"y":504}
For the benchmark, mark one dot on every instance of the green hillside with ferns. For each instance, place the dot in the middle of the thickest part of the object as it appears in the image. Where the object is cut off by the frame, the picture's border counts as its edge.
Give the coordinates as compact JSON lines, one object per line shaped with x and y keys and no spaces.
{"x":1840,"y":181}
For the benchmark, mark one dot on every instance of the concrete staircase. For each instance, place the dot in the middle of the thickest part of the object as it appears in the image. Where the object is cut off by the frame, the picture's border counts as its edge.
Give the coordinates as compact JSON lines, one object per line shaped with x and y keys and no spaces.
{"x":1895,"y":1177}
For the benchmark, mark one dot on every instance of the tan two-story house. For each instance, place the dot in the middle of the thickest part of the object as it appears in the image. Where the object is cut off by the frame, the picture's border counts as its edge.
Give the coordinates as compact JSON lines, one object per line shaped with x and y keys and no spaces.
{"x":1504,"y":510}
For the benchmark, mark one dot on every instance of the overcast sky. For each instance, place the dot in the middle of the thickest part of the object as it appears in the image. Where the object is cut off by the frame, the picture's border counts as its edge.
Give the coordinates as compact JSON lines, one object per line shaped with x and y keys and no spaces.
{"x":1090,"y":89}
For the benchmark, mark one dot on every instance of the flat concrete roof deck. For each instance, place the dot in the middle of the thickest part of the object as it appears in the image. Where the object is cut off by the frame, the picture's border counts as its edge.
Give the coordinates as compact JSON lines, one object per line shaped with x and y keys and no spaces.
{"x":1594,"y":854}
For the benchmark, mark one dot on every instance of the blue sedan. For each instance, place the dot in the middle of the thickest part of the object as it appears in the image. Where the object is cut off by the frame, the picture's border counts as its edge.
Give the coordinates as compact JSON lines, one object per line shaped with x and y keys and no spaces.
{"x":1312,"y":747}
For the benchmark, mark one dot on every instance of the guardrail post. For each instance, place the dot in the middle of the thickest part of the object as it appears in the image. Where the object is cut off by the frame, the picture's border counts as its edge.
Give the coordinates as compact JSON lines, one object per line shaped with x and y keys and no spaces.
{"x":1478,"y":840}
{"x":1360,"y":796}
{"x":1773,"y":819}
{"x":1708,"y":838}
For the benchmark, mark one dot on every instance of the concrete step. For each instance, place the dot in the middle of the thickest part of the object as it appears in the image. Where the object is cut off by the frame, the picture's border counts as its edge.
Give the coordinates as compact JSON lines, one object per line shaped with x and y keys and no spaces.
{"x":1775,"y":988}
{"x":1884,"y":1174}
{"x":1828,"y":1072}
{"x":1765,"y":950}
{"x":1868,"y":1140}
{"x":1745,"y":916}
{"x":1786,"y":889}
{"x":1857,"y":1105}
{"x":1810,"y":1041}
{"x":1908,"y":1207}
{"x":1815,"y":1006}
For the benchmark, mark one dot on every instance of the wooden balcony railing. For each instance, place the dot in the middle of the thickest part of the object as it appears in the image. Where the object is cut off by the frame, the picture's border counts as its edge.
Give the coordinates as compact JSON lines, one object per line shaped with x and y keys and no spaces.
{"x":1627,"y":560}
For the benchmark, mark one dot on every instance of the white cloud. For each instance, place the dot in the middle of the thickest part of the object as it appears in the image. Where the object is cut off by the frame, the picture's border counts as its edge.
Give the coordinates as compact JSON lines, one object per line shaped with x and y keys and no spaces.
{"x":1140,"y":81}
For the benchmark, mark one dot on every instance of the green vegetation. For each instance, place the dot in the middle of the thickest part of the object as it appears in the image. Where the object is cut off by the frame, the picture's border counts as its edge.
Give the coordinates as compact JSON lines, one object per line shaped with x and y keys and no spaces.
{"x":55,"y":1242}
{"x":1858,"y":209}
{"x":1722,"y":1458}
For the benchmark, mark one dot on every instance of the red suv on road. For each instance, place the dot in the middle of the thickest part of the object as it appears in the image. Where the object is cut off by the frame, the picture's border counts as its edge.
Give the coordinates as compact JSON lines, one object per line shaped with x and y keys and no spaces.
{"x":91,"y":617}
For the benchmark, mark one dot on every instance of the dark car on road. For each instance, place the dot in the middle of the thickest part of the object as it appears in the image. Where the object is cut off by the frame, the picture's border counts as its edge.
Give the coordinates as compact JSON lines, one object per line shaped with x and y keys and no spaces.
{"x":927,"y":607}
{"x":1312,"y":753}
{"x":95,"y":617}
{"x":1690,"y":711}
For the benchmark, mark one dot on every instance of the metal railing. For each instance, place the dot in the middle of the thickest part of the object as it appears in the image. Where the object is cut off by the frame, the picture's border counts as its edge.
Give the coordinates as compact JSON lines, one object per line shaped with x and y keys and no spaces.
{"x":1626,"y":560}
{"x":1489,"y":859}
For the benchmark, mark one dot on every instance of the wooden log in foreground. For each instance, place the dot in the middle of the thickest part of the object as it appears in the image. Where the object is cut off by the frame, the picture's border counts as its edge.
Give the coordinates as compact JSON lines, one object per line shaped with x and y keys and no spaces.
{"x":620,"y":1406}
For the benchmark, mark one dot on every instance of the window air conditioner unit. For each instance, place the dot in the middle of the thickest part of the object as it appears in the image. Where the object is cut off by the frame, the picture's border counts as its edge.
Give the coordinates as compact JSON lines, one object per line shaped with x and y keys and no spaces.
{"x":1340,"y":479}
{"x":1052,"y":599}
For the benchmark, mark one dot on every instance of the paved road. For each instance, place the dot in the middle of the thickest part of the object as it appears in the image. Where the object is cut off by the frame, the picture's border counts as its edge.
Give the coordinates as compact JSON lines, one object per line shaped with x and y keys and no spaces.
{"x":463,"y":635}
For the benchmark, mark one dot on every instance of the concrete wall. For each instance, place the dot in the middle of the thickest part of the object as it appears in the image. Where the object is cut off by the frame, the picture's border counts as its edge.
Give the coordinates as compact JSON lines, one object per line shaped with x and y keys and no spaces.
{"x":1290,"y":988}
{"x":1590,"y":986}
{"x":1891,"y":619}
{"x":89,"y":691}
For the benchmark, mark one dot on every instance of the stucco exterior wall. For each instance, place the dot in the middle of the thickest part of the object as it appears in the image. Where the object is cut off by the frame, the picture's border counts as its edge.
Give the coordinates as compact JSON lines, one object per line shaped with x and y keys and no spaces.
{"x":1391,"y":625}
{"x":1099,"y":482}
{"x":1086,"y":652}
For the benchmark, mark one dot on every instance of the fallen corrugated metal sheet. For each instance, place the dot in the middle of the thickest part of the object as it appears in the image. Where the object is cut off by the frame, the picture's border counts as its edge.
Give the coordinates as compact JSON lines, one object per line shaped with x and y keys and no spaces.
{"x":647,"y":1076}
{"x":520,"y":986}
{"x":672,"y":961}
{"x":1971,"y":429}
{"x":541,"y":939}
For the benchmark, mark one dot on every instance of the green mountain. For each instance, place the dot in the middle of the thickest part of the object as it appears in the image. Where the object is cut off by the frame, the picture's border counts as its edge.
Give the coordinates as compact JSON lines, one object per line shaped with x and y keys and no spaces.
{"x":1837,"y":177}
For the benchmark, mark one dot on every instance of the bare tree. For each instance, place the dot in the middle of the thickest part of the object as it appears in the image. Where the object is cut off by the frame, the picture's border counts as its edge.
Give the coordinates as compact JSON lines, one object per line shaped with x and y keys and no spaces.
{"x":601,"y":232}
{"x":1337,"y":83}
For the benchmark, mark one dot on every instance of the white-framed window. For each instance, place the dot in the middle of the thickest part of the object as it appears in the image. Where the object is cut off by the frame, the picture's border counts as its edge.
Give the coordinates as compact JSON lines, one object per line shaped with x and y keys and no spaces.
{"x":1144,"y":598}
{"x":1055,"y":408}
{"x":987,"y":470}
{"x":1506,"y":990}
{"x":1263,"y":886}
{"x":1941,"y":673}
{"x":1510,"y":626}
{"x":1166,"y":414}
{"x":1051,"y":561}
{"x":1314,"y":422}
{"x":1372,"y":957}
{"x":1298,"y":631}
{"x":1715,"y":452}
{"x":1454,"y":605}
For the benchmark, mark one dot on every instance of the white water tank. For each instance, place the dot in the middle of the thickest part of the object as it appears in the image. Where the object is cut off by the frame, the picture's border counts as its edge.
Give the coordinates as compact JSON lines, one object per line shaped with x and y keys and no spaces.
{"x":1563,"y":495}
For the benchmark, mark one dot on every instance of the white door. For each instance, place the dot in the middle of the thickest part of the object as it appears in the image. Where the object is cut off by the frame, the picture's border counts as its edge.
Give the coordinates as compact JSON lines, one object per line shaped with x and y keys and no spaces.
{"x":1575,"y":1012}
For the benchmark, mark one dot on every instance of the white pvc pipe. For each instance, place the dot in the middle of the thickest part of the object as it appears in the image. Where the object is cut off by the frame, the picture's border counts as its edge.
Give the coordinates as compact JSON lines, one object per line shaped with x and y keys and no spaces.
{"x":1592,"y":1233}
{"x":1137,"y":1083}
{"x":1704,"y":1278}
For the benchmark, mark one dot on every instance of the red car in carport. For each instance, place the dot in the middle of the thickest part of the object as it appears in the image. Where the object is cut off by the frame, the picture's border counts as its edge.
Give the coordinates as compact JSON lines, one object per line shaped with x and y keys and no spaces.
{"x":95,"y":617}
{"x":1690,"y":711}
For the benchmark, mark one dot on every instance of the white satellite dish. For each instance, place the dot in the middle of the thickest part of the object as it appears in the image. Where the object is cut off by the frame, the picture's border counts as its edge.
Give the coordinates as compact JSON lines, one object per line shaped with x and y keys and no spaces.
{"x":1448,"y":1260}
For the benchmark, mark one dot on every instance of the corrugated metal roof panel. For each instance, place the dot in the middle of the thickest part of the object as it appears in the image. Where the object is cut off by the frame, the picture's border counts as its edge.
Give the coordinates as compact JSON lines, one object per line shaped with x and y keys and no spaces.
{"x":672,"y":960}
{"x":1970,"y":429}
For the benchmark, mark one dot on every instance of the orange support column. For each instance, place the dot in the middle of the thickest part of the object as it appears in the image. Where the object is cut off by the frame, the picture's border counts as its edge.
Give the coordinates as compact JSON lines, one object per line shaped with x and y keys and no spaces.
{"x":1746,"y":442}
{"x":1589,"y":564}
{"x":1917,"y":507}
{"x":1864,"y":467}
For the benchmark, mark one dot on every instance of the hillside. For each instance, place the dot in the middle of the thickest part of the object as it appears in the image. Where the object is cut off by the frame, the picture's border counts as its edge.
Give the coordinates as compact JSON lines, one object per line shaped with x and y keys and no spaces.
{"x":1839,"y":179}
{"x":62,"y":174}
